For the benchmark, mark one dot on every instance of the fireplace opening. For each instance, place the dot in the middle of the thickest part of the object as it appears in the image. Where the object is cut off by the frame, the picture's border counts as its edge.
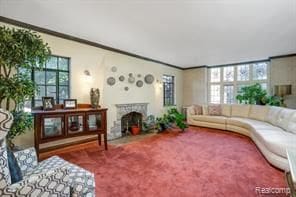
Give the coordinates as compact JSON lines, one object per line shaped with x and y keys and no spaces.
{"x":131,"y":122}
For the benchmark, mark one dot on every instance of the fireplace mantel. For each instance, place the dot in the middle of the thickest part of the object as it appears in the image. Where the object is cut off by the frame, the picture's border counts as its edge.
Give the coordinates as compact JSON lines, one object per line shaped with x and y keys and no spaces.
{"x":126,"y":108}
{"x":130,"y":104}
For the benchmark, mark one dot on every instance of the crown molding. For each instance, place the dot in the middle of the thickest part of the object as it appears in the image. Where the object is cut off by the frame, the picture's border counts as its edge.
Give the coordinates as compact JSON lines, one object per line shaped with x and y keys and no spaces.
{"x":282,"y":56}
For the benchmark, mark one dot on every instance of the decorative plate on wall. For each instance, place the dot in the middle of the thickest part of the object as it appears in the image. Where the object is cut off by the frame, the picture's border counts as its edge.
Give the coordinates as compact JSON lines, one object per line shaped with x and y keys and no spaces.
{"x":111,"y":81}
{"x":126,"y":88}
{"x":149,"y":79}
{"x":121,"y":78}
{"x":139,"y":83}
{"x":131,"y":79}
{"x":114,"y":69}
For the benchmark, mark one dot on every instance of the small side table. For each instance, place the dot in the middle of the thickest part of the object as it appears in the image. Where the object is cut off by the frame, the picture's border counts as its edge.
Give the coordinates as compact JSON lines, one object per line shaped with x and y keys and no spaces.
{"x":291,"y":175}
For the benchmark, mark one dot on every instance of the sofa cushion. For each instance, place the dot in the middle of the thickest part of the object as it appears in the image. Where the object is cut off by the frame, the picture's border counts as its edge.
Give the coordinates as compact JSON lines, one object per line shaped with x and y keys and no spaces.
{"x":258,"y":112}
{"x":292,"y":124}
{"x":284,"y":118}
{"x":27,"y":160}
{"x":277,"y":141}
{"x":248,"y":123}
{"x":212,"y":119}
{"x":214,"y":110}
{"x":226,"y":110}
{"x":81,"y":180}
{"x":272,"y":115}
{"x":239,"y":122}
{"x":240,"y":110}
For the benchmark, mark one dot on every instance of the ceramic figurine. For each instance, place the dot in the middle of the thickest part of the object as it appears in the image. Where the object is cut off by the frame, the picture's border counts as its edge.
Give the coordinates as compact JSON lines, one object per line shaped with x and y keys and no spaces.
{"x":95,"y":97}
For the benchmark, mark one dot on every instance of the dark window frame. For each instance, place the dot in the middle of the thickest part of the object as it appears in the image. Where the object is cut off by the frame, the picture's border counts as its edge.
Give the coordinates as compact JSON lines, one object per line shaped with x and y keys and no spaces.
{"x":169,"y":93}
{"x":57,"y":83}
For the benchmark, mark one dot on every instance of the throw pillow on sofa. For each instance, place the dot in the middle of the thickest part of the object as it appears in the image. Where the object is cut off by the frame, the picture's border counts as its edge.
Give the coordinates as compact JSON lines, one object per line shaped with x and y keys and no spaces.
{"x":191,"y":110}
{"x":214,"y":110}
{"x":197,"y":109}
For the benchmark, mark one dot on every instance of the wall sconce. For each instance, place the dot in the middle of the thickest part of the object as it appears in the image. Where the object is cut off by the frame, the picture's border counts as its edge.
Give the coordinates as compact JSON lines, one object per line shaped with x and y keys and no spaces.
{"x":86,"y":72}
{"x":159,"y":83}
{"x":87,"y":75}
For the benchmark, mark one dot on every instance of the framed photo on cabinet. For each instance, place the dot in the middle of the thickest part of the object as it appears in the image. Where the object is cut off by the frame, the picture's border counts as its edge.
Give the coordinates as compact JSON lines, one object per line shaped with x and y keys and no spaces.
{"x":70,"y":103}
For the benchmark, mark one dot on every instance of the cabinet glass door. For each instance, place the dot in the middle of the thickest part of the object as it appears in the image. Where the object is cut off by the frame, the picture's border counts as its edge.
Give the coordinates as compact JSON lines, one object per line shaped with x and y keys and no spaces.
{"x":94,"y":121}
{"x":52,"y":126}
{"x":75,"y":123}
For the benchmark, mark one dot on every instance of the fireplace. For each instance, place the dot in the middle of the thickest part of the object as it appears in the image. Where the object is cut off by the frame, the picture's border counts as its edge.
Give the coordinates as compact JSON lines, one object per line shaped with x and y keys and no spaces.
{"x":132,"y":119}
{"x":131,"y":113}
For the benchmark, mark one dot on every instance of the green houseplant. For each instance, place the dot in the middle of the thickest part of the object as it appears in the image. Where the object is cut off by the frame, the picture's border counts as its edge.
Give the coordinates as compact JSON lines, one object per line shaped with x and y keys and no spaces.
{"x":20,"y":50}
{"x":252,"y":94}
{"x":173,"y":116}
{"x":255,"y":94}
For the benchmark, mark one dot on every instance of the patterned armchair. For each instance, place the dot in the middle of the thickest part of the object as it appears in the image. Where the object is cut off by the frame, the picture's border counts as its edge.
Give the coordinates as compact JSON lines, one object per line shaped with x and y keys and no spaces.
{"x":51,"y":177}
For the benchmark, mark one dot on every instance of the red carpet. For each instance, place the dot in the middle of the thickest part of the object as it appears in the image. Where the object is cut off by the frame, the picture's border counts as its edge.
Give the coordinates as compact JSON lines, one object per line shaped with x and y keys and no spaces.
{"x":199,"y":162}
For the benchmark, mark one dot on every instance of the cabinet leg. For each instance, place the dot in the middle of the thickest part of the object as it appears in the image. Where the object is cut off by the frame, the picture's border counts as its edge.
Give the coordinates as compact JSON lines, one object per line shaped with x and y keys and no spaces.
{"x":99,"y":138}
{"x":105,"y":141}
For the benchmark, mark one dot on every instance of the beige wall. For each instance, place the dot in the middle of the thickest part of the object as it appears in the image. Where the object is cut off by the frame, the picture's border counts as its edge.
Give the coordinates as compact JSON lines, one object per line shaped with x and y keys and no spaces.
{"x":195,"y":86}
{"x":283,"y":72}
{"x":99,"y":63}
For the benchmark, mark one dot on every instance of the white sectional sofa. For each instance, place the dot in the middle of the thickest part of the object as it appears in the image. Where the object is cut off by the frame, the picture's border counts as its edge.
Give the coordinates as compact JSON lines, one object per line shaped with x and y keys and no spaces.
{"x":273,"y":129}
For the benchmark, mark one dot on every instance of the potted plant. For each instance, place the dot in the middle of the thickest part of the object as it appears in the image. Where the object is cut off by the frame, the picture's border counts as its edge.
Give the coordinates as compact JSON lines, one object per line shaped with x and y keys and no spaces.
{"x":172,"y":117}
{"x":135,"y":130}
{"x":178,"y":118}
{"x":254,"y":94}
{"x":21,"y":50}
{"x":162,"y":123}
{"x":148,"y":123}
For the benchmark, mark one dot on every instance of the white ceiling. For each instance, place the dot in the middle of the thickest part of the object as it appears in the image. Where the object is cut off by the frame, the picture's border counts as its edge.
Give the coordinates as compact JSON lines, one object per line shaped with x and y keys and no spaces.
{"x":180,"y":32}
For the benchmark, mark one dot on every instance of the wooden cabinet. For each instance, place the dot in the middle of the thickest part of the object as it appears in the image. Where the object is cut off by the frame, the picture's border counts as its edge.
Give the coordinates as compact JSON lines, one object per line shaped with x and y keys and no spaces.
{"x":61,"y":124}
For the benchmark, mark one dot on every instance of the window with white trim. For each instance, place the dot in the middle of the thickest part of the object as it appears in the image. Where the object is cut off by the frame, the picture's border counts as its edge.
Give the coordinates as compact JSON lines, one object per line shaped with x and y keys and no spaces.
{"x":226,"y":81}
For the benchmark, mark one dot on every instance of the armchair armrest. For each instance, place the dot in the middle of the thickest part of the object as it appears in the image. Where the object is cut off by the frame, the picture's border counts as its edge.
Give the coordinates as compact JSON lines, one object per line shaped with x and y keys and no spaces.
{"x":27,"y":160}
{"x":54,"y":184}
